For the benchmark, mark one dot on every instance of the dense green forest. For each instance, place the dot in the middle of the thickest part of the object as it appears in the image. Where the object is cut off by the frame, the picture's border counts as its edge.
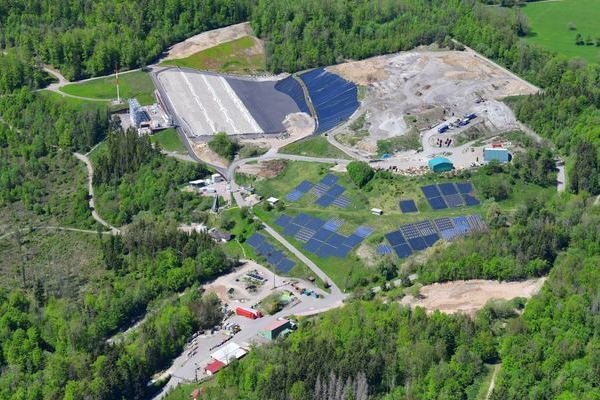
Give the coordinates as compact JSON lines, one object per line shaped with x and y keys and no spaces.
{"x":17,"y":71}
{"x":55,"y":347}
{"x":132,"y":176}
{"x":91,"y":37}
{"x":37,"y":167}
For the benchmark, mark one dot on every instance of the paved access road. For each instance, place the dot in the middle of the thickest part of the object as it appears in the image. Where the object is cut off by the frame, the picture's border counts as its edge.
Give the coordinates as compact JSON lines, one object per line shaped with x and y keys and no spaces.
{"x":335,"y":290}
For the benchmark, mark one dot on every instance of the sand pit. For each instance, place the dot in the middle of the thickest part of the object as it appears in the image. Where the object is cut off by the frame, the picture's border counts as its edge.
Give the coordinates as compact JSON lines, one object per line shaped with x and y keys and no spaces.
{"x":469,"y":296}
{"x":206,"y":40}
{"x":364,"y":72}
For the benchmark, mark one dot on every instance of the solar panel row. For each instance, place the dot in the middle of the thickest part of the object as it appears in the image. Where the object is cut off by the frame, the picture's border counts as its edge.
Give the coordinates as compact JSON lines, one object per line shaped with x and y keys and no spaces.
{"x":450,"y":195}
{"x":320,"y":236}
{"x":423,"y":234}
{"x":334,"y":98}
{"x":408,"y":206}
{"x":274,"y":257}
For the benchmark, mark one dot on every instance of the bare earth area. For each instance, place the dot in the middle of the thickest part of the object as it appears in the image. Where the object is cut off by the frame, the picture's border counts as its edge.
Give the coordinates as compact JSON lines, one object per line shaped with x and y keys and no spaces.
{"x":263,"y":169}
{"x":416,"y":83}
{"x":364,"y":72}
{"x":206,"y":40}
{"x":298,"y":126}
{"x":206,"y":154}
{"x":469,"y":296}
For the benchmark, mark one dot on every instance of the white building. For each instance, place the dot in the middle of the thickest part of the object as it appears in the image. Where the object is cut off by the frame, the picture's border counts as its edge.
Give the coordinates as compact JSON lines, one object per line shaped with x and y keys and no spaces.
{"x":231,"y":351}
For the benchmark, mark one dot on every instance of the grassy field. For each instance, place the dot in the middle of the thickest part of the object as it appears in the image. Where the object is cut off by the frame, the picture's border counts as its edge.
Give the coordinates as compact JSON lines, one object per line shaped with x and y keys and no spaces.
{"x":132,"y":85}
{"x":555,"y":24}
{"x":238,"y":56}
{"x":316,"y":146}
{"x":72,"y":102}
{"x":169,"y":140}
{"x":384,"y":193}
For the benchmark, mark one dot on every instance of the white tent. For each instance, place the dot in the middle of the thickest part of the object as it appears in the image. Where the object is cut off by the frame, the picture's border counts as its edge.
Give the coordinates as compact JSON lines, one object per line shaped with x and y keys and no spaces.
{"x":231,"y":351}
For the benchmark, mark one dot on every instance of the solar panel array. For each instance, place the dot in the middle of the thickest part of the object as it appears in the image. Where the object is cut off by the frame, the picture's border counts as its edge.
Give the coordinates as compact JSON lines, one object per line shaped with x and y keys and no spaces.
{"x":450,"y":195}
{"x":334,"y":98}
{"x":299,"y":191}
{"x":274,"y":257}
{"x":384,"y":249}
{"x":320,"y":237}
{"x":423,"y":234}
{"x":408,"y":206}
{"x":327,"y":191}
{"x":292,"y":88}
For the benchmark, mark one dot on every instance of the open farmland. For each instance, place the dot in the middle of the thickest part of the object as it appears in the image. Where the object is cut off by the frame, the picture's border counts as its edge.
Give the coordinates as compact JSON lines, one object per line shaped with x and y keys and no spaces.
{"x":555,"y":25}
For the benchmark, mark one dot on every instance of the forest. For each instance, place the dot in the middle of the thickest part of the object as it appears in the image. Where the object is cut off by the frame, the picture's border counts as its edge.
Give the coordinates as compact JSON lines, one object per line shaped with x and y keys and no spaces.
{"x":132,"y":177}
{"x":55,"y":347}
{"x":93,"y":38}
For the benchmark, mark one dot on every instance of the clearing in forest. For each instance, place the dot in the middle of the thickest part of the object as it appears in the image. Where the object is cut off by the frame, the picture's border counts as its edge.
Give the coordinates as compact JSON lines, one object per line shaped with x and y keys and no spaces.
{"x":245,"y":55}
{"x":469,"y":296}
{"x":206,"y":40}
{"x":555,"y":25}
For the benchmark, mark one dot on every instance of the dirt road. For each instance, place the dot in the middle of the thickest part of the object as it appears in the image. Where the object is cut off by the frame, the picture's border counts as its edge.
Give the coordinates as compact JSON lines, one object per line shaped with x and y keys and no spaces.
{"x":90,"y":170}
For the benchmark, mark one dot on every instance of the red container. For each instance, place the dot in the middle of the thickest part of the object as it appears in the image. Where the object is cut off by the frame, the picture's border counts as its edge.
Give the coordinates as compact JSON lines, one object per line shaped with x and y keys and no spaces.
{"x":248,"y":312}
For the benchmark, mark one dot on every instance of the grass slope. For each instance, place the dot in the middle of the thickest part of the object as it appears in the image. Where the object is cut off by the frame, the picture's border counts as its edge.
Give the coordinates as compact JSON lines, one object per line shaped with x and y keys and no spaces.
{"x":169,"y":140}
{"x":317,"y":146}
{"x":132,"y":85}
{"x":237,"y":56}
{"x":550,"y":22}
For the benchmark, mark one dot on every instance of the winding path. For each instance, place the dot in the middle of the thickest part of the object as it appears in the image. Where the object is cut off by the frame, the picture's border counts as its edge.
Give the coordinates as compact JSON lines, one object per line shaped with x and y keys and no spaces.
{"x":492,"y":382}
{"x":95,"y":215}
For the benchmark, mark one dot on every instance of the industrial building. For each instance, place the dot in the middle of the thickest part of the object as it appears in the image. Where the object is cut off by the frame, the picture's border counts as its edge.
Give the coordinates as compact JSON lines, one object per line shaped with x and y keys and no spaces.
{"x":139,"y":117}
{"x":440,"y":164}
{"x":231,"y":351}
{"x":148,"y":119}
{"x":213,"y":367}
{"x":496,"y":154}
{"x":276,"y":329}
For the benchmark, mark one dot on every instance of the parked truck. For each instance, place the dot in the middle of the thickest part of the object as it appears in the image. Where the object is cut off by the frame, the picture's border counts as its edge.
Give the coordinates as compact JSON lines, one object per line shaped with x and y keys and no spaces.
{"x":248,"y":312}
